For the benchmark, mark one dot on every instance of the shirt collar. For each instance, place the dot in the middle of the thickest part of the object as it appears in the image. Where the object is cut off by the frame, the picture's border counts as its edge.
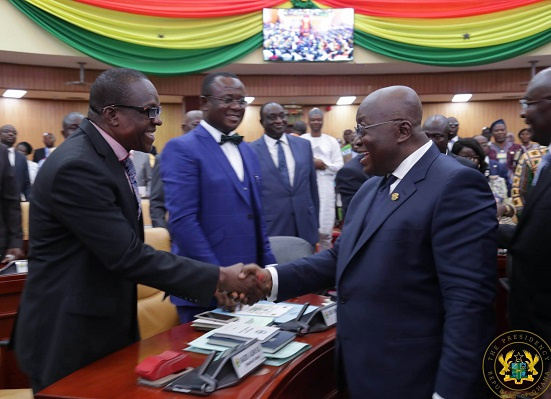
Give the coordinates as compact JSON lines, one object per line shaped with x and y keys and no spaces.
{"x":272,"y":142}
{"x":118,"y":149}
{"x":214,"y":132}
{"x":411,"y":160}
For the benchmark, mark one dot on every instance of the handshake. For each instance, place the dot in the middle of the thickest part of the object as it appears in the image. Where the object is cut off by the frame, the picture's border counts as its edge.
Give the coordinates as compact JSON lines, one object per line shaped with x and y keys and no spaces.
{"x":241,"y":283}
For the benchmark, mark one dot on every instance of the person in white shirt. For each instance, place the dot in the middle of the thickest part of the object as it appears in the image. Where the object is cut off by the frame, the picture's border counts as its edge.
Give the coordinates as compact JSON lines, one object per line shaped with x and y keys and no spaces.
{"x":327,"y":160}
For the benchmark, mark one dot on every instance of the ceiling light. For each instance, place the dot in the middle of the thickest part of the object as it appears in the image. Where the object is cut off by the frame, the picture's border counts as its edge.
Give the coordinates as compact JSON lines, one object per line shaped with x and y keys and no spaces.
{"x":461,"y":98}
{"x":14,"y":93}
{"x":346,"y":100}
{"x":249,"y":99}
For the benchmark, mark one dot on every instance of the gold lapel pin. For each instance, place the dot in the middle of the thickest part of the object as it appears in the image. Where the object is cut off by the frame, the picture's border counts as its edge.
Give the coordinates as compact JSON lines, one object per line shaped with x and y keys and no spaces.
{"x":394,"y":196}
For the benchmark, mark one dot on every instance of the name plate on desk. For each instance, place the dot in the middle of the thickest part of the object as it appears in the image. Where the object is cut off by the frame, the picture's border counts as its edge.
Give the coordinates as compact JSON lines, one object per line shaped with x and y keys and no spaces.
{"x":329,"y":314}
{"x":247,"y":360}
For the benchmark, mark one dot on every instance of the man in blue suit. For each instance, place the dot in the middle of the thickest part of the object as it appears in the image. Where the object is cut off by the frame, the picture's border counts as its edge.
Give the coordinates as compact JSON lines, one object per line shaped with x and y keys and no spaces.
{"x":212,"y":187}
{"x":415,"y":265}
{"x":289,"y":190}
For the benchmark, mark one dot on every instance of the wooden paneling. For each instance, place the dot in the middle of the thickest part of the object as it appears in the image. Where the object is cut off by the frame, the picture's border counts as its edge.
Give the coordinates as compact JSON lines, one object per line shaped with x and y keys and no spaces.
{"x":498,"y":81}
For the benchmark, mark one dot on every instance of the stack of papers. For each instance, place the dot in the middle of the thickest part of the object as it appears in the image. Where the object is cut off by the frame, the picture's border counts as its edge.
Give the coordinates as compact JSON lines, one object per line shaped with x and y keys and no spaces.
{"x":246,"y":331}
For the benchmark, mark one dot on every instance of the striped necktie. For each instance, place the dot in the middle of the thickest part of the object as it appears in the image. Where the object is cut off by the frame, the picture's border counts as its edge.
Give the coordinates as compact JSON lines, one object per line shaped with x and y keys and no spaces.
{"x":131,"y":173}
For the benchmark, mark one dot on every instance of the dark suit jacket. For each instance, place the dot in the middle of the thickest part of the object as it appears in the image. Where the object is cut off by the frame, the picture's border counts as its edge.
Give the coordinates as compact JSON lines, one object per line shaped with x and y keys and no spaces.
{"x":22,"y":175}
{"x":157,"y":208}
{"x":39,"y":154}
{"x":11,"y":234}
{"x":86,"y":256}
{"x":530,"y":298}
{"x":290,"y":211}
{"x":213,"y":217}
{"x":349,"y":180}
{"x":415,"y":286}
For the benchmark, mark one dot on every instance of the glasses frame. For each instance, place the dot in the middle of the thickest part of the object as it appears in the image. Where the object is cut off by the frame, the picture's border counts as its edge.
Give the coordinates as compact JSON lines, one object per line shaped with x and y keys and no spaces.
{"x":152,"y":112}
{"x":524,"y":104}
{"x":228,"y":100}
{"x":360,"y":129}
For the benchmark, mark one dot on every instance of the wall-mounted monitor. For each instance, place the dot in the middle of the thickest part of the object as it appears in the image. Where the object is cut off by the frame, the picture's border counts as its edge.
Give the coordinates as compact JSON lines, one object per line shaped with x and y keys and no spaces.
{"x":308,"y":35}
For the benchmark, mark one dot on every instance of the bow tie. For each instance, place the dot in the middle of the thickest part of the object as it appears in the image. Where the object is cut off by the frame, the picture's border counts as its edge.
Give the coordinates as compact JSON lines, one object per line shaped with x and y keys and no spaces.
{"x":235,"y":139}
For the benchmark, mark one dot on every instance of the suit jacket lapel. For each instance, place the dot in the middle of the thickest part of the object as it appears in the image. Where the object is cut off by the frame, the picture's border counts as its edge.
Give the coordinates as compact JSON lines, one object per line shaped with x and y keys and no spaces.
{"x":405,"y":189}
{"x":218,"y":157}
{"x":130,"y":207}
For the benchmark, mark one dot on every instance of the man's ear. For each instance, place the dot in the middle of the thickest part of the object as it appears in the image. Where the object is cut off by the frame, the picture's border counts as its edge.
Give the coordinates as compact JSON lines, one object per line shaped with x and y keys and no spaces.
{"x":203,"y":103}
{"x":110,"y":115}
{"x":404,"y":131}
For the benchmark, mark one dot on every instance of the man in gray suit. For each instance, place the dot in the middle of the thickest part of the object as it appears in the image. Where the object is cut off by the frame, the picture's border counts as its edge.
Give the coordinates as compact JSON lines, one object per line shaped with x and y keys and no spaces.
{"x":289,"y":188}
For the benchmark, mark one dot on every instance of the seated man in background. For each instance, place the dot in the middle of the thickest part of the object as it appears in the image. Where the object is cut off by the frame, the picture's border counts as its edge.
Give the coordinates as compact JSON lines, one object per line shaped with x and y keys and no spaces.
{"x":86,"y":240}
{"x":70,"y":124}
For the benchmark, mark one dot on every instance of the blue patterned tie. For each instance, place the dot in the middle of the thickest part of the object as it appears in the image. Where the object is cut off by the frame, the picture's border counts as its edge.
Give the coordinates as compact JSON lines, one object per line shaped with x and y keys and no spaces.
{"x":131,"y":173}
{"x":282,"y":164}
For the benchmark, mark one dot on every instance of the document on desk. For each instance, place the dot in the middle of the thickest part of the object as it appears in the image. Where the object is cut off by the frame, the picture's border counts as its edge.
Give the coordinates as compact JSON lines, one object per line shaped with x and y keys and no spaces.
{"x":264,"y":309}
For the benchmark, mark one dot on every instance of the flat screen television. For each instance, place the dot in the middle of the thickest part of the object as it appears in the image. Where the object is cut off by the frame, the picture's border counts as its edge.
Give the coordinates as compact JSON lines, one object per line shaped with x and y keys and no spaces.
{"x":308,"y":35}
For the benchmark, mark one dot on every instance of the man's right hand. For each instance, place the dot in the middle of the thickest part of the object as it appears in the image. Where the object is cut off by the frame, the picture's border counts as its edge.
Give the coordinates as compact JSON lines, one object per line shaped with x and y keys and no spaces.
{"x":319,"y":164}
{"x":263,"y":276}
{"x":249,"y":288}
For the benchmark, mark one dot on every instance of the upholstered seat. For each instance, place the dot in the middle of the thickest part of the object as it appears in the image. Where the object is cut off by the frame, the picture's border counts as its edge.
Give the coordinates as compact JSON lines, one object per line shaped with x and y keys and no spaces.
{"x":287,"y":249}
{"x":155,"y":312}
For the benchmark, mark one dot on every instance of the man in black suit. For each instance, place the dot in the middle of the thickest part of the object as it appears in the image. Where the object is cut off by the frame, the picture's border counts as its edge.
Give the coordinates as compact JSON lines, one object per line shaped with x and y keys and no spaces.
{"x":8,"y":136}
{"x":86,"y":240}
{"x":49,"y":146}
{"x":530,"y":300}
{"x":11,"y":234}
{"x":351,"y":177}
{"x":437,"y":128}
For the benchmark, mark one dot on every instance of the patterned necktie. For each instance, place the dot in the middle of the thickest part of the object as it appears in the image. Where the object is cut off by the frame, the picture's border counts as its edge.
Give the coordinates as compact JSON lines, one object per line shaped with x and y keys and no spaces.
{"x":541,"y":167}
{"x":131,"y":173}
{"x":383,"y":193}
{"x":235,"y":139}
{"x":282,"y":164}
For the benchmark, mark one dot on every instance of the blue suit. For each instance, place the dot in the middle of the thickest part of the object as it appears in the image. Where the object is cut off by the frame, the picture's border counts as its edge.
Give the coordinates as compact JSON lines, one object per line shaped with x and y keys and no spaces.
{"x":213,"y":216}
{"x":290,"y":211}
{"x":415,"y":283}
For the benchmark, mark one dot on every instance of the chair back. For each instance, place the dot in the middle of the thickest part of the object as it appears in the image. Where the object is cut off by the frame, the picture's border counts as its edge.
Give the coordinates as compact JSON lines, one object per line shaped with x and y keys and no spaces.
{"x":155,"y":312}
{"x":287,"y":248}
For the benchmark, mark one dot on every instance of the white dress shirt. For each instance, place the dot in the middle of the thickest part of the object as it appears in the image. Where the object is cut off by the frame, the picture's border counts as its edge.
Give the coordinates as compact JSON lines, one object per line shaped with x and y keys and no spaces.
{"x":11,"y":156}
{"x":289,"y":158}
{"x":229,"y":149}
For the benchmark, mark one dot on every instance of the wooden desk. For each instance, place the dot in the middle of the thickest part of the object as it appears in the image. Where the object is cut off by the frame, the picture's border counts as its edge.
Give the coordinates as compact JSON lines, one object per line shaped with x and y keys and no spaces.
{"x":11,"y":286}
{"x":311,"y":375}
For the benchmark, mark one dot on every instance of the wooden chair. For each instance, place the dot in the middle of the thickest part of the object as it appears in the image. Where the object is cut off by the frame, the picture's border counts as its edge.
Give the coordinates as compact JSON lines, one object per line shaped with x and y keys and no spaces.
{"x":155,"y":312}
{"x":146,"y":215}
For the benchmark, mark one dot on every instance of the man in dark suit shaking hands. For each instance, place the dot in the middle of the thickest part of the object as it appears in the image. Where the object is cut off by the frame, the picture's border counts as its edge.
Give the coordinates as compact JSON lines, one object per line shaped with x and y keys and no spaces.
{"x":414,"y":267}
{"x":289,"y":188}
{"x":530,"y":301}
{"x":86,"y":240}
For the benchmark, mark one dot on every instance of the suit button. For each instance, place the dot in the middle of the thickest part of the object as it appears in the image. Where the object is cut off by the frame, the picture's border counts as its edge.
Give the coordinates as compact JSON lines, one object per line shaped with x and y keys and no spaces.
{"x":250,"y":216}
{"x":245,"y":188}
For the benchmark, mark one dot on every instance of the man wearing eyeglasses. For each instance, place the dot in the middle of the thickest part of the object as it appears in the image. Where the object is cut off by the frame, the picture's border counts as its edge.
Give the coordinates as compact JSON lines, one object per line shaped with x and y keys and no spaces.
{"x":454,"y":129}
{"x":414,"y":267}
{"x":86,"y":240}
{"x":530,"y":300}
{"x":212,"y":183}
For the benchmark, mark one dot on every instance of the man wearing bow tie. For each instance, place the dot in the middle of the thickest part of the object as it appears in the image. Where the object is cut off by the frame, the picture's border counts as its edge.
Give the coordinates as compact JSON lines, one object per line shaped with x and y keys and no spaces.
{"x":212,"y":187}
